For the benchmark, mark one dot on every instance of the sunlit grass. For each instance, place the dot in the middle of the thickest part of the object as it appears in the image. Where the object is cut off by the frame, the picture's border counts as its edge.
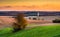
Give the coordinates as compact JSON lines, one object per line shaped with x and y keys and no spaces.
{"x":41,"y":31}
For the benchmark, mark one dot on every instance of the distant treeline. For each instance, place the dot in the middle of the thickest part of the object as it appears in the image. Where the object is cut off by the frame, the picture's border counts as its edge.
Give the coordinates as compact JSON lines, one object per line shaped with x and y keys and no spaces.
{"x":29,"y":13}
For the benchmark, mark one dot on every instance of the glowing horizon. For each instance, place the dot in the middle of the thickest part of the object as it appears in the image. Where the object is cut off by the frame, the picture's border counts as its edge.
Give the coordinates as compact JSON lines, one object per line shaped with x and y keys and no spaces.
{"x":30,"y":5}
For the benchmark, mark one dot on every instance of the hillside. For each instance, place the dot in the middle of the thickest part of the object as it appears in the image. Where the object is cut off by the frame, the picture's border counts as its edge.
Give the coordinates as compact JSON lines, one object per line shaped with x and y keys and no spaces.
{"x":43,"y":31}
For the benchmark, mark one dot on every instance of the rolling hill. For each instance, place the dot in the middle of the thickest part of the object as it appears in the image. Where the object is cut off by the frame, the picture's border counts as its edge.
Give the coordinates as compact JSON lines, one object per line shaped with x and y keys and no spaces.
{"x":42,"y":31}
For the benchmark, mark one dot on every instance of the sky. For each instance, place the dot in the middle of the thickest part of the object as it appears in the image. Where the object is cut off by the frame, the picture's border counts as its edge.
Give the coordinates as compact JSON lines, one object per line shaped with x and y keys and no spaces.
{"x":47,"y":5}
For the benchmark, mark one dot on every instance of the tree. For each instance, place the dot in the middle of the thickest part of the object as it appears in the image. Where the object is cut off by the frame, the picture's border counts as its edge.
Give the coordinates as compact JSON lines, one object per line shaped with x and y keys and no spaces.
{"x":20,"y":22}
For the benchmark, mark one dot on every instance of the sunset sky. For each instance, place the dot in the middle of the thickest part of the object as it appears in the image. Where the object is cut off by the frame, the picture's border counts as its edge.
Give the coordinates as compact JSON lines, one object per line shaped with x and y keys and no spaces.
{"x":53,"y":5}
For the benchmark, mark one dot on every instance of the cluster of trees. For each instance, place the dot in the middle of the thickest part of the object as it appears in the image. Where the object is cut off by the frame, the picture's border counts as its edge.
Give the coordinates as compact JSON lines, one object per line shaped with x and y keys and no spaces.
{"x":56,"y":21}
{"x":20,"y":23}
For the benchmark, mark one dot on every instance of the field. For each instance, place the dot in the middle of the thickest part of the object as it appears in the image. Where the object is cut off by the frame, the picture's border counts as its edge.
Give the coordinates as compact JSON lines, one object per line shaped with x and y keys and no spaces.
{"x":41,"y":31}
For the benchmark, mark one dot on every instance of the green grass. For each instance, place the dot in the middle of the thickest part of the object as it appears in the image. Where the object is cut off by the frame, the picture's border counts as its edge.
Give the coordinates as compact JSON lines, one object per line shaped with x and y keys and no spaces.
{"x":43,"y":31}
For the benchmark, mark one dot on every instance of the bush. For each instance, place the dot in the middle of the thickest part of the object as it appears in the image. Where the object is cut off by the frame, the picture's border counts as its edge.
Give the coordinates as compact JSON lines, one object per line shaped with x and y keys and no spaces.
{"x":57,"y":36}
{"x":56,"y":21}
{"x":20,"y":22}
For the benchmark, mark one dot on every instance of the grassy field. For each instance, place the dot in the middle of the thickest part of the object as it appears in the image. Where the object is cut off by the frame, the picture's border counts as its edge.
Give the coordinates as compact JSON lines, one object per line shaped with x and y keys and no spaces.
{"x":41,"y":31}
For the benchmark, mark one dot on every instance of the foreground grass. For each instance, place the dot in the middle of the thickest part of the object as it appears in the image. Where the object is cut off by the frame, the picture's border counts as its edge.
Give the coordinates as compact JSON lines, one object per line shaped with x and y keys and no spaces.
{"x":43,"y":31}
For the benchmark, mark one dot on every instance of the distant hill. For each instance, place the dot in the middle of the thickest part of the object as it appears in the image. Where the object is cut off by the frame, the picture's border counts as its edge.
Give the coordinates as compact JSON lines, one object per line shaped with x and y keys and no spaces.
{"x":29,"y":13}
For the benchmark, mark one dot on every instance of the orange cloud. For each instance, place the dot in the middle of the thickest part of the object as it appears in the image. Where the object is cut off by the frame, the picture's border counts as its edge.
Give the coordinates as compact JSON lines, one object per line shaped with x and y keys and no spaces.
{"x":32,"y":7}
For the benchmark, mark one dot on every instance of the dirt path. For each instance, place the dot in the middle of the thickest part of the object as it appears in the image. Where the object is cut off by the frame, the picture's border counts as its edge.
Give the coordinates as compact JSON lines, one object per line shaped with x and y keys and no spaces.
{"x":36,"y":25}
{"x":32,"y":25}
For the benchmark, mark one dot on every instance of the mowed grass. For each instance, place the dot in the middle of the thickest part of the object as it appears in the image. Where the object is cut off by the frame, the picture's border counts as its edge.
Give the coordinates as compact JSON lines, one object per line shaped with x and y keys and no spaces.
{"x":41,"y":31}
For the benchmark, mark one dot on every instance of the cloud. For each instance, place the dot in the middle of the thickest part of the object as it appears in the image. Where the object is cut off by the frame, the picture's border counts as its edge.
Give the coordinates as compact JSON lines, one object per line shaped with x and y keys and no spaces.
{"x":48,"y":6}
{"x":32,"y":6}
{"x":7,"y":6}
{"x":1,"y":7}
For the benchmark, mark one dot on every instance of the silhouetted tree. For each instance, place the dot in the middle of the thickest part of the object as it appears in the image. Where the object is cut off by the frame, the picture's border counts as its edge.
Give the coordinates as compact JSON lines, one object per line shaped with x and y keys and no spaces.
{"x":20,"y":22}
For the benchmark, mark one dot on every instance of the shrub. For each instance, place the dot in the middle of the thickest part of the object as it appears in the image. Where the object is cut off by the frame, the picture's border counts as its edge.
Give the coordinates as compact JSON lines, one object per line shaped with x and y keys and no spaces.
{"x":20,"y":22}
{"x":57,"y":36}
{"x":56,"y":21}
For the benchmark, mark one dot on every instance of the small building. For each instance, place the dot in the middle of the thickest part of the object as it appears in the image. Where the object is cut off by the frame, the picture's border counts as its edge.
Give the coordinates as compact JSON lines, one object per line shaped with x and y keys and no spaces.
{"x":33,"y":15}
{"x":43,"y":16}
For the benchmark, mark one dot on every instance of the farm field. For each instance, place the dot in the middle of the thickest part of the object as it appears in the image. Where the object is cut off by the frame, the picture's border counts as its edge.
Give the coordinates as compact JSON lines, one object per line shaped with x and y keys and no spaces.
{"x":39,"y":31}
